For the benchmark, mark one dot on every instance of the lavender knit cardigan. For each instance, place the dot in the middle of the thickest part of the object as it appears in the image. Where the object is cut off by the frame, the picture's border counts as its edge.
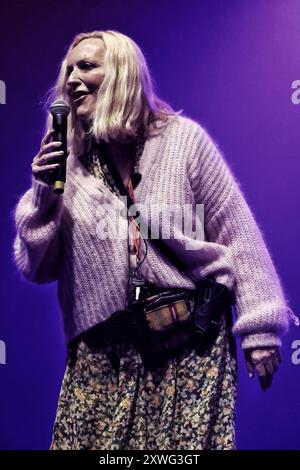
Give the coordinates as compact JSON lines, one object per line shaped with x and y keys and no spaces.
{"x":62,"y":238}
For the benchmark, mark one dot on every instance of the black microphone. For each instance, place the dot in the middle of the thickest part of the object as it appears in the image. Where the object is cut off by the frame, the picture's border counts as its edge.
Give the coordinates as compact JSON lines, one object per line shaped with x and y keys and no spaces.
{"x":60,"y":111}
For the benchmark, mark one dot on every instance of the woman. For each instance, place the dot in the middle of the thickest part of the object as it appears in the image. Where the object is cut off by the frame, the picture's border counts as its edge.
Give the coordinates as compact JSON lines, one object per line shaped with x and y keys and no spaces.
{"x":110,"y":398}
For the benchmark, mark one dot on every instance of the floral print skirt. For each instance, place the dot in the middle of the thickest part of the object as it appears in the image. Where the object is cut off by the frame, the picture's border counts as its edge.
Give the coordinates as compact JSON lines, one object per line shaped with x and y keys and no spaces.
{"x":110,"y":401}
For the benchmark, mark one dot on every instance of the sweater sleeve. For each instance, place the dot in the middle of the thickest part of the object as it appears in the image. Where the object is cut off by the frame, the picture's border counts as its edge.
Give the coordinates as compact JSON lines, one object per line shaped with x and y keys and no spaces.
{"x":37,"y":245}
{"x":262,"y":311}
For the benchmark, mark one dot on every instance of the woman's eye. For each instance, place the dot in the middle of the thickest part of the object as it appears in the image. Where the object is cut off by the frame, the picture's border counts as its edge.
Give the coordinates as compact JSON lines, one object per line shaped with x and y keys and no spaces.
{"x":86,"y":65}
{"x":81,"y":66}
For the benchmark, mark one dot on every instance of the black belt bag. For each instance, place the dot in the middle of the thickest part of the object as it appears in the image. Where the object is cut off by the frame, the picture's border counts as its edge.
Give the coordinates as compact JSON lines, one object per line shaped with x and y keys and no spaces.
{"x":174,"y":320}
{"x":162,"y":325}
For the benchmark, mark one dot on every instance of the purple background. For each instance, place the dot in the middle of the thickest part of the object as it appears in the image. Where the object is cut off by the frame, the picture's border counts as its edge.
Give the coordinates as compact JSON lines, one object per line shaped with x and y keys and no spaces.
{"x":229,"y":65}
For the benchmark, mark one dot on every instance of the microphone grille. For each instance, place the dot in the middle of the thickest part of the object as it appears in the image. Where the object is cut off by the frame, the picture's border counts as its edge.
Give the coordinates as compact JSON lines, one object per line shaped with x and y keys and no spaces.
{"x":59,"y":107}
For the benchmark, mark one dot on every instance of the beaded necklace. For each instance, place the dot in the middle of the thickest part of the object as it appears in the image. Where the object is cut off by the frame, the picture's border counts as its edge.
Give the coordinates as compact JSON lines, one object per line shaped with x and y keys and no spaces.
{"x":95,"y":164}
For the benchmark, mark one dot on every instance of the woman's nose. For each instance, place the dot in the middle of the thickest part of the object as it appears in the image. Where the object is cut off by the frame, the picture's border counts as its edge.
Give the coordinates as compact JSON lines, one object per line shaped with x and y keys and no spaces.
{"x":73,"y":78}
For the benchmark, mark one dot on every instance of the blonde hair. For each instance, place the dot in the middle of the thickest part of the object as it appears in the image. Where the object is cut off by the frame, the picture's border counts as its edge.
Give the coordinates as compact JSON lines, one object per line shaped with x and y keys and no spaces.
{"x":126,"y":98}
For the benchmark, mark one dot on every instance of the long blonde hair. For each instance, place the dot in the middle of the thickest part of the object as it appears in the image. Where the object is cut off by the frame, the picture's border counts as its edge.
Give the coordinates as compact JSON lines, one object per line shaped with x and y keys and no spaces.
{"x":126,"y":98}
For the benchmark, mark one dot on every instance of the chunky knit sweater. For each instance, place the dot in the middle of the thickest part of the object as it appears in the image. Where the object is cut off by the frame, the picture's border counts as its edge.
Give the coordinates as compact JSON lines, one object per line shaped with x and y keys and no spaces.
{"x":62,"y":237}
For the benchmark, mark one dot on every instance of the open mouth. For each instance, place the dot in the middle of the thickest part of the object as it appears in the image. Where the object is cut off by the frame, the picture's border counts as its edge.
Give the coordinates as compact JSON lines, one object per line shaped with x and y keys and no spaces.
{"x":78,"y":96}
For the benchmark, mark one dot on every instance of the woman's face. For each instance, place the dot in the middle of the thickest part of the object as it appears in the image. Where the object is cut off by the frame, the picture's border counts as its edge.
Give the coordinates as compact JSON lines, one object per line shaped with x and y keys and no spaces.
{"x":85,"y":74}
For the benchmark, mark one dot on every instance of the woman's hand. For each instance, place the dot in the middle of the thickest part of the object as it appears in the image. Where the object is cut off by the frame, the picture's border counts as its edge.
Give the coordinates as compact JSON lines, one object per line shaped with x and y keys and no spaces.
{"x":265,"y":362}
{"x":42,"y":168}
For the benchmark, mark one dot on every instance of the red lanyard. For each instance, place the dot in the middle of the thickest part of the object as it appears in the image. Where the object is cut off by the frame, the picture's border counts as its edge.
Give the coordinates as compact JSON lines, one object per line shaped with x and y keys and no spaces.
{"x":134,"y":239}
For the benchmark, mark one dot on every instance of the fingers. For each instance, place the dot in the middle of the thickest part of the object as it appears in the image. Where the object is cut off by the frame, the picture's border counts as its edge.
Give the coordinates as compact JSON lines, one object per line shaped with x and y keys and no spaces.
{"x":45,"y":150}
{"x":47,"y":137}
{"x":47,"y":159}
{"x":276,"y":361}
{"x":41,"y":163}
{"x":265,"y":362}
{"x":269,"y":367}
{"x":265,"y":375}
{"x":262,"y":375}
{"x":265,"y":379}
{"x":50,"y":146}
{"x":278,"y":355}
{"x":45,"y":173}
{"x":44,"y":159}
{"x":47,"y":167}
{"x":249,"y":366}
{"x":41,"y":170}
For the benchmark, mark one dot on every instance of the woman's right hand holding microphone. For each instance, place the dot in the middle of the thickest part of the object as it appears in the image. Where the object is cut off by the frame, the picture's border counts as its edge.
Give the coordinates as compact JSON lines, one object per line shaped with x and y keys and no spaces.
{"x":43,"y":168}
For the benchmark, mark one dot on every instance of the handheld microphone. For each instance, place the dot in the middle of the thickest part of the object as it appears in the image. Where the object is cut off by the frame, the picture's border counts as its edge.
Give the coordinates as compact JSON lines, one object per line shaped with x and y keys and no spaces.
{"x":60,"y":111}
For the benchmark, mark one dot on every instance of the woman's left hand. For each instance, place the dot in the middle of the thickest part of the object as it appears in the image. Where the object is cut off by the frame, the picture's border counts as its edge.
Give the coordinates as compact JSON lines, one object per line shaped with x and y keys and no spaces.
{"x":265,"y":362}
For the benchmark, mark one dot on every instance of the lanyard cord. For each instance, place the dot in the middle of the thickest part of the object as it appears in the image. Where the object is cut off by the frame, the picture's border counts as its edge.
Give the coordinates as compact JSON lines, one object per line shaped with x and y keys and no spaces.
{"x":112,"y":173}
{"x":168,"y":253}
{"x":134,"y":277}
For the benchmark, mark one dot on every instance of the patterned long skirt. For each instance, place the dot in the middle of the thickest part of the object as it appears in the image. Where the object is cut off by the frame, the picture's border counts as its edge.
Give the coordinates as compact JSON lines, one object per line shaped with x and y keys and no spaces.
{"x":110,"y":401}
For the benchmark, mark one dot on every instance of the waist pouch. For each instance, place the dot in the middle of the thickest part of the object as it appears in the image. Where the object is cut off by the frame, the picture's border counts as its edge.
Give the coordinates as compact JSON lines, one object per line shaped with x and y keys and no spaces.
{"x":175,"y":319}
{"x":162,"y":325}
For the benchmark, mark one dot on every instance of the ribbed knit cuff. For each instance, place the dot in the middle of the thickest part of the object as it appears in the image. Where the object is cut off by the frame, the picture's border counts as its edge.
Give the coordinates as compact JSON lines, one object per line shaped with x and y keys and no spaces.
{"x":260,"y":340}
{"x":43,"y":195}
